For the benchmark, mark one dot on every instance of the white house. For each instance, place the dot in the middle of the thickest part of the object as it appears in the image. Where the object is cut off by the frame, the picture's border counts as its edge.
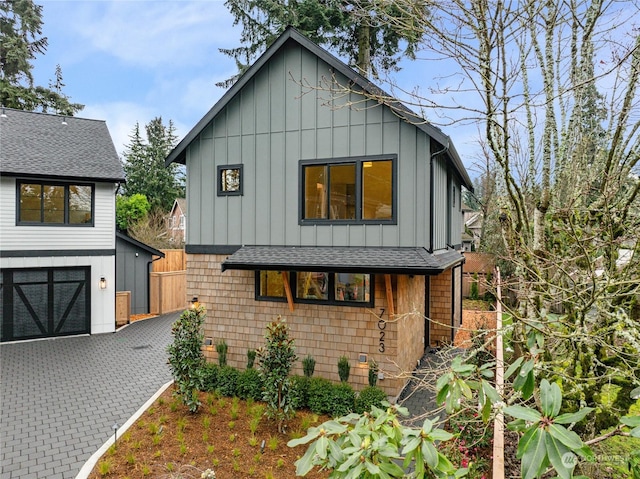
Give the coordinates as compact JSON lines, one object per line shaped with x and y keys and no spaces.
{"x":58,"y":180}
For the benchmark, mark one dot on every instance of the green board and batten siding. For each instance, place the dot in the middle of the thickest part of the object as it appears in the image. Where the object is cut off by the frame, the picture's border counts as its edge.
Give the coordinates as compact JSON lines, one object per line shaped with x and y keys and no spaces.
{"x":273,"y":117}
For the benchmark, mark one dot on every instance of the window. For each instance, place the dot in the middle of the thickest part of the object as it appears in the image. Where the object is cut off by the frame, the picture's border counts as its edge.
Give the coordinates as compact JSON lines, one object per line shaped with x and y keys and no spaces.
{"x":182,"y":222}
{"x":353,"y":190}
{"x":353,"y":289}
{"x":230,"y":180}
{"x":55,"y":204}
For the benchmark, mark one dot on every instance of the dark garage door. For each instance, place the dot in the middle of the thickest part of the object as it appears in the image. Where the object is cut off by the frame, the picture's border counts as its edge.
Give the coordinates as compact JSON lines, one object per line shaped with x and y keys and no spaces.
{"x":44,"y":302}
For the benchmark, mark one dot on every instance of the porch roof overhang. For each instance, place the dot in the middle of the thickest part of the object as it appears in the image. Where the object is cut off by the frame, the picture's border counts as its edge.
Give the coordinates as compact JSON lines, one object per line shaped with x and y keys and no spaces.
{"x":387,"y":260}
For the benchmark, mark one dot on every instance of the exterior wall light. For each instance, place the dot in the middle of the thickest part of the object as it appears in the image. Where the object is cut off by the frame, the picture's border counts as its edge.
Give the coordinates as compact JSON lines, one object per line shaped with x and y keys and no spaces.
{"x":103,"y":283}
{"x":363,"y":359}
{"x":194,"y":302}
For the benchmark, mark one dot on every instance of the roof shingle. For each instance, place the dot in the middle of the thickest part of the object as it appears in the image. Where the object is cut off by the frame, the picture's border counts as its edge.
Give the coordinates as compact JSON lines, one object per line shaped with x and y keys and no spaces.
{"x":39,"y":144}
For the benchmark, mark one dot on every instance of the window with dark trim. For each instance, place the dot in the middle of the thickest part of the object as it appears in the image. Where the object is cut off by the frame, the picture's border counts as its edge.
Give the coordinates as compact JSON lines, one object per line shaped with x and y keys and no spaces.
{"x":48,"y":203}
{"x":350,"y":190}
{"x":352,"y":289}
{"x":230,"y":180}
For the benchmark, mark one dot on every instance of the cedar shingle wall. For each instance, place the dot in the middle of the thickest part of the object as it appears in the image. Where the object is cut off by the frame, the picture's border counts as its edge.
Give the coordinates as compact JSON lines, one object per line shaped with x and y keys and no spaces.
{"x":441,"y":309}
{"x":325,"y":332}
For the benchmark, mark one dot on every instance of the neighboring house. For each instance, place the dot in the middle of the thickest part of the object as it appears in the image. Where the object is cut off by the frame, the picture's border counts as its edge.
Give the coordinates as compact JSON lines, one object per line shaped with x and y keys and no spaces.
{"x":473,"y":225}
{"x":177,"y":221}
{"x":133,"y":269}
{"x":477,"y":267}
{"x":58,"y":180}
{"x":344,"y":221}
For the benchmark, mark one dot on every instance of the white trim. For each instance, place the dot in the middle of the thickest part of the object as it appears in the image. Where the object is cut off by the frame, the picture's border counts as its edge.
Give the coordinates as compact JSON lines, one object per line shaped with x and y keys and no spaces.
{"x":93,"y":460}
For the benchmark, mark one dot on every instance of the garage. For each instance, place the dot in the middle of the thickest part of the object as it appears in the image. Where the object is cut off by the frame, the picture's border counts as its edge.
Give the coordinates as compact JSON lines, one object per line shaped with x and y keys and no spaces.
{"x":44,"y":302}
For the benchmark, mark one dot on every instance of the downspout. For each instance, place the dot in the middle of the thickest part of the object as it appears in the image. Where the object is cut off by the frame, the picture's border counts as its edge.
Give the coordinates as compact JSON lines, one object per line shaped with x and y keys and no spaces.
{"x":149,"y":283}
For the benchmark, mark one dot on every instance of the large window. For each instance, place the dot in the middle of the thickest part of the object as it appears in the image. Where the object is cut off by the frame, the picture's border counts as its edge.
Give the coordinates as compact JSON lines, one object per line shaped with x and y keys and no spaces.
{"x":355,"y":289}
{"x":352,"y":190}
{"x":55,"y":204}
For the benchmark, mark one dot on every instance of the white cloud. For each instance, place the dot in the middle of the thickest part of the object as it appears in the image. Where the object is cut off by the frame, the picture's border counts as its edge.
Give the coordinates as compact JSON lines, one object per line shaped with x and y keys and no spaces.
{"x":163,"y":34}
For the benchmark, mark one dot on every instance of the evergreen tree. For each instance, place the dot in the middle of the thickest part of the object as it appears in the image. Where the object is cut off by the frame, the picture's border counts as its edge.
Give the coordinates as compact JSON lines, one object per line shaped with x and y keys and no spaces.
{"x":371,"y":44}
{"x":144,"y":165}
{"x":22,"y":40}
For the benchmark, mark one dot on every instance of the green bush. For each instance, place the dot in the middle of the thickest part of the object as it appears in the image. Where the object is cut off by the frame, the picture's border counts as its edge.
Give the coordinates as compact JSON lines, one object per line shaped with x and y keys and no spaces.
{"x":249,"y":385}
{"x":209,"y":377}
{"x":221,"y":348}
{"x":308,"y":366}
{"x":320,"y":395}
{"x":343,"y":368}
{"x":251,"y":357}
{"x":227,"y":381}
{"x":343,"y":400}
{"x":299,"y":392}
{"x":473,"y":292}
{"x":369,"y":396}
{"x":373,"y":372}
{"x":185,"y":355}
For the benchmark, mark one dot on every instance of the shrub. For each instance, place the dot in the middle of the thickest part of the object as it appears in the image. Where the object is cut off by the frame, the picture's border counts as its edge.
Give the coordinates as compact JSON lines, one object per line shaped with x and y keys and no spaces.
{"x":276,"y":359}
{"x":343,"y":368}
{"x":299,"y":392}
{"x":251,"y":357}
{"x":473,"y":292}
{"x":308,"y":366}
{"x":320,"y":395}
{"x":185,"y":355}
{"x":249,"y":385}
{"x":343,"y":400}
{"x":221,"y":348}
{"x":227,"y":381}
{"x":209,"y":377}
{"x":369,"y":396}
{"x":373,"y":372}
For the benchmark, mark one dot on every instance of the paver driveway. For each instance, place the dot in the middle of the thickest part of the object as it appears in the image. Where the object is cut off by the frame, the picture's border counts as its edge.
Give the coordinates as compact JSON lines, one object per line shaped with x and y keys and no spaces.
{"x":61,"y":397}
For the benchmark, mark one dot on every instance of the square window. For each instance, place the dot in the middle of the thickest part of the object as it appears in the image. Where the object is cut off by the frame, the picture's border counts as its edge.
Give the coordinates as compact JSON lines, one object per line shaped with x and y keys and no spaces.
{"x":230,"y":180}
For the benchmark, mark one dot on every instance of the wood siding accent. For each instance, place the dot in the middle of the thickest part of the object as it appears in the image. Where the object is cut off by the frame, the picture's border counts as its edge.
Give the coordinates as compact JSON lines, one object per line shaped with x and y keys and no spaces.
{"x":324,"y":331}
{"x":275,"y":121}
{"x":100,"y":236}
{"x":123,"y":308}
{"x":174,"y":260}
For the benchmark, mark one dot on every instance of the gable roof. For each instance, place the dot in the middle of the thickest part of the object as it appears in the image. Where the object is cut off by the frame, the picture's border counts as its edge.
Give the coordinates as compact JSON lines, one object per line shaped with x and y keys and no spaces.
{"x":181,"y":204}
{"x":54,"y":146}
{"x":138,"y":244}
{"x":178,"y":154}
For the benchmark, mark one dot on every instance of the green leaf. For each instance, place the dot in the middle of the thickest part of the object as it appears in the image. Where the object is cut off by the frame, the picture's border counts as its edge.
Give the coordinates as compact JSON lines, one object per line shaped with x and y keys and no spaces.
{"x":570,"y":418}
{"x":371,"y":467}
{"x":534,"y":457}
{"x":305,"y":463}
{"x":461,"y":368}
{"x":514,"y":366}
{"x":490,"y":392}
{"x":550,"y":398}
{"x":566,"y":437}
{"x":556,"y":452}
{"x":440,"y":435}
{"x":442,"y":394}
{"x":430,"y":454}
{"x":631,"y":421}
{"x":527,"y":389}
{"x":392,"y":469}
{"x":520,"y":412}
{"x":322,"y":444}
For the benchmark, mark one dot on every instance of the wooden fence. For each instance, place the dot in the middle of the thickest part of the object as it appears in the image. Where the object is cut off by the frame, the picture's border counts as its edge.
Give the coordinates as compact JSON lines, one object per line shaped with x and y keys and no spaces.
{"x":174,"y":260}
{"x":167,"y":291}
{"x":123,"y":308}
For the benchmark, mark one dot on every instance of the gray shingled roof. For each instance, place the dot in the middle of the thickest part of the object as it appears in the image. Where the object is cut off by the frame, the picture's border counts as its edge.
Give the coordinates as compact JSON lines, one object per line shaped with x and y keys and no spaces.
{"x":39,"y":144}
{"x":342,"y":259}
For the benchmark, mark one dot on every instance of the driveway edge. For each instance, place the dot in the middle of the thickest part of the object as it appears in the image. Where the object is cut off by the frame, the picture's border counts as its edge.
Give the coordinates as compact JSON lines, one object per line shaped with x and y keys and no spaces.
{"x":93,"y":460}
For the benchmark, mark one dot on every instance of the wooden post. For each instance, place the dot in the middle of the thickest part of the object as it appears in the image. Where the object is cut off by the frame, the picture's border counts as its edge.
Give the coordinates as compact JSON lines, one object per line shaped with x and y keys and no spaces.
{"x":389,"y":289}
{"x":287,"y":290}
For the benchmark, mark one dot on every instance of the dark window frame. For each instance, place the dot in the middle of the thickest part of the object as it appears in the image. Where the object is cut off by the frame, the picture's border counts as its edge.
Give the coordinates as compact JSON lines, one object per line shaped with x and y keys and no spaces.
{"x":66,"y":186}
{"x":358,"y":161}
{"x":220,"y":191}
{"x":331,"y":301}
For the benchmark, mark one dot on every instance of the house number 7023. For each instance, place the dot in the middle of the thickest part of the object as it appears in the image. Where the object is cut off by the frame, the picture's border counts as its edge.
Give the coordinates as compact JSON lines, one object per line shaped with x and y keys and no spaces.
{"x":382,"y":324}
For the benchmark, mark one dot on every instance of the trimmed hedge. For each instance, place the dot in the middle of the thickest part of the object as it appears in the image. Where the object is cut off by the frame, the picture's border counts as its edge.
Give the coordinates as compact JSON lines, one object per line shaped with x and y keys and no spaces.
{"x":369,"y":396}
{"x":343,"y":400}
{"x":209,"y":377}
{"x":227,"y":381}
{"x":299,"y":391}
{"x":249,"y":385}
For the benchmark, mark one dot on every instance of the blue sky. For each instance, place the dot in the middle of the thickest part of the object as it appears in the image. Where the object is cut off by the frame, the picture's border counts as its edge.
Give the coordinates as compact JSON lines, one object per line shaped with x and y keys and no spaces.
{"x":130,"y":61}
